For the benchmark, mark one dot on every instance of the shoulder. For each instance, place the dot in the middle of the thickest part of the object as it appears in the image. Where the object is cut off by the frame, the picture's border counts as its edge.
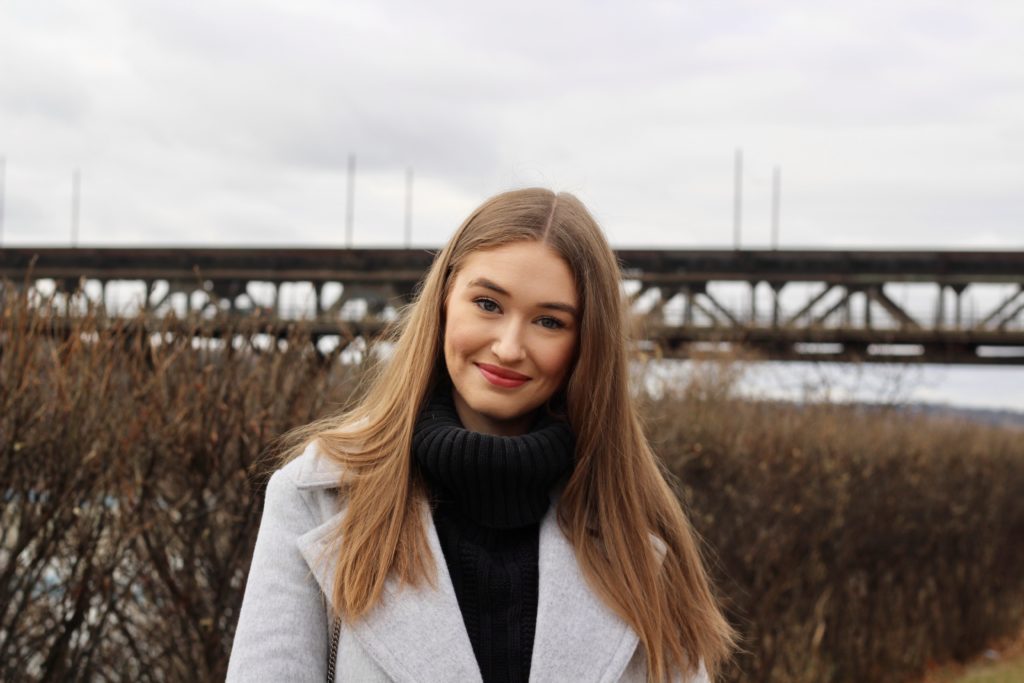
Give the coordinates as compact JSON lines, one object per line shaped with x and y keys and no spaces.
{"x":304,"y":492}
{"x":312,"y":469}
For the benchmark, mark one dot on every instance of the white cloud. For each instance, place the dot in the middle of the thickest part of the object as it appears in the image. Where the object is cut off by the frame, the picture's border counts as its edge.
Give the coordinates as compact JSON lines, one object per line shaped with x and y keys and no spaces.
{"x":217,"y":122}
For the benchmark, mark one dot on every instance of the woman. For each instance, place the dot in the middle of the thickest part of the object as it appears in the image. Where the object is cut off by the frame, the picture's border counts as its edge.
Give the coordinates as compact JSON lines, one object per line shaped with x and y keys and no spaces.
{"x":491,"y":509}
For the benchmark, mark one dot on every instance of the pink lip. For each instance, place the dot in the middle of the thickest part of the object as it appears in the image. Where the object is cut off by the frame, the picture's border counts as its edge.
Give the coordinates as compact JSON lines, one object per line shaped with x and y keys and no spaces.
{"x":501,"y":377}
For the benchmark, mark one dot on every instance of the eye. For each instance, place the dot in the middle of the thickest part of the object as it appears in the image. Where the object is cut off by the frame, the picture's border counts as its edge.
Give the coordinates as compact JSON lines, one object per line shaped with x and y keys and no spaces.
{"x":552,"y":323}
{"x":485,"y":304}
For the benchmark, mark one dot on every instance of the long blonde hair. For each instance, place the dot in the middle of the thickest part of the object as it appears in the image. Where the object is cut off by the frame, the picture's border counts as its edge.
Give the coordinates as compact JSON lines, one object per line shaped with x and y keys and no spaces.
{"x":617,"y":495}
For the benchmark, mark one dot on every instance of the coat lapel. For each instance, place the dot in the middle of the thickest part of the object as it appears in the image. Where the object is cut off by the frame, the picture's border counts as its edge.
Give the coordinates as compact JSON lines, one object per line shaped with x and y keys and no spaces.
{"x":578,"y":638}
{"x":413,"y":633}
{"x":417,"y":634}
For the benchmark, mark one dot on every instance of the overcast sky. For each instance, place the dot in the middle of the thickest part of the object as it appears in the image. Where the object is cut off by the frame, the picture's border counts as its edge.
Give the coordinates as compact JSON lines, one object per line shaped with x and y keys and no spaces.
{"x":227,"y":122}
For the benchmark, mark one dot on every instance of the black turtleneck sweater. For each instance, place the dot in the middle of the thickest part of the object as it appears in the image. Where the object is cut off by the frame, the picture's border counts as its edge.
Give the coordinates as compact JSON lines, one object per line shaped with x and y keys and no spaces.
{"x":490,"y":493}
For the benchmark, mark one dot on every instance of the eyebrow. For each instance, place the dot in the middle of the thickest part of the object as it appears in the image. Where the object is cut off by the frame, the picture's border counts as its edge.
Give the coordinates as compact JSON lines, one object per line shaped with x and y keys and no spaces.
{"x":552,"y":305}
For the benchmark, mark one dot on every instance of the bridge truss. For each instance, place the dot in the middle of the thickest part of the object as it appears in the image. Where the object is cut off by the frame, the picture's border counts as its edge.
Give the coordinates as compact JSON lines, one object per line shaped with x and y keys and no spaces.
{"x":836,"y":305}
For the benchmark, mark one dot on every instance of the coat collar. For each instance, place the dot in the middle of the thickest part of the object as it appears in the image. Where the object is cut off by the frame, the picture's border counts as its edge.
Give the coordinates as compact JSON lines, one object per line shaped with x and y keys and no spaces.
{"x":314,"y":471}
{"x":417,"y":633}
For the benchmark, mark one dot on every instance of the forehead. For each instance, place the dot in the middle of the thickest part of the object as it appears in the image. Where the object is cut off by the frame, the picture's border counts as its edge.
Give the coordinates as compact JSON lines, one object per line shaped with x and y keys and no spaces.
{"x":527,"y":269}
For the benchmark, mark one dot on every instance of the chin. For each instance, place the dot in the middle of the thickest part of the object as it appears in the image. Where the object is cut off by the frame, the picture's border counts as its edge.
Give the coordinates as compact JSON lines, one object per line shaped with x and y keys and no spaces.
{"x":499,"y":408}
{"x":501,"y":415}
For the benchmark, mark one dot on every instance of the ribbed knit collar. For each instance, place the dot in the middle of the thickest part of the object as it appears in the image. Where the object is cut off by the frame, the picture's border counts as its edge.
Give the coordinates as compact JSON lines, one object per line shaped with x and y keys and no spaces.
{"x":497,"y":481}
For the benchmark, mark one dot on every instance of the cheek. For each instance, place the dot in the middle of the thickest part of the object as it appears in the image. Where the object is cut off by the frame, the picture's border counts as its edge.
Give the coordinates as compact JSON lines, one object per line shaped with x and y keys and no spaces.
{"x":458,"y":339}
{"x":449,"y":347}
{"x":558,"y":360}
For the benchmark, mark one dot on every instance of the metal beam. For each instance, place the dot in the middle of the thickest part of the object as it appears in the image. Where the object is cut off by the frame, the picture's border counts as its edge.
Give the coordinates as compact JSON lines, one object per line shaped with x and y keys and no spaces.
{"x":844,"y":301}
{"x":1011,"y":317}
{"x":1006,"y":303}
{"x":878,"y":295}
{"x":809,"y":305}
{"x":651,"y":266}
{"x":720,"y":308}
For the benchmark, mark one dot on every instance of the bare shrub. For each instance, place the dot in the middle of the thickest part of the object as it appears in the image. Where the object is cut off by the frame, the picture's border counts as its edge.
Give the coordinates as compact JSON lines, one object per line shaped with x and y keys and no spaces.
{"x":850,"y":544}
{"x":130,"y":457}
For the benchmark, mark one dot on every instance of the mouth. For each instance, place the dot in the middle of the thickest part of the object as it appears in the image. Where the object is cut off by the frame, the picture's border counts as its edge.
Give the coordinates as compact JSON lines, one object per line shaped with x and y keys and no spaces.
{"x":501,"y":377}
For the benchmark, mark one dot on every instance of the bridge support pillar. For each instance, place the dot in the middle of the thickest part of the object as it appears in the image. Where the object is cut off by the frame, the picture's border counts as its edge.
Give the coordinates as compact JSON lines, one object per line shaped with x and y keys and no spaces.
{"x":940,"y":308}
{"x":776,"y":309}
{"x":753,"y":302}
{"x":688,"y":305}
{"x":103,"y":296}
{"x":957,"y":304}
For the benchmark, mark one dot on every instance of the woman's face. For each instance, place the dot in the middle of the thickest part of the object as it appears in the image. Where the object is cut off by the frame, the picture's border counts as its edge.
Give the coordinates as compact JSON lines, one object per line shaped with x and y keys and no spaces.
{"x":511,"y":329}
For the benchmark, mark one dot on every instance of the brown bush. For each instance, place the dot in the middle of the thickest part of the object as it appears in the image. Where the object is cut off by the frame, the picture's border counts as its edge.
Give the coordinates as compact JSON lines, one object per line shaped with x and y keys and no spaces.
{"x":849,"y":544}
{"x":132,"y":487}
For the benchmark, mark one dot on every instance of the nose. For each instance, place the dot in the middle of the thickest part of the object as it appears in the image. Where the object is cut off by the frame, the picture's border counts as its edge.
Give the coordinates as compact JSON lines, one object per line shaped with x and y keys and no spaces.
{"x":508,"y":346}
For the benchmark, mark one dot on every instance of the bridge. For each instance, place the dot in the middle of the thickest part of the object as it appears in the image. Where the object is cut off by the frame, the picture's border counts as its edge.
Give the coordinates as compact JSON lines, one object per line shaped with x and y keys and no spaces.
{"x":808,"y":305}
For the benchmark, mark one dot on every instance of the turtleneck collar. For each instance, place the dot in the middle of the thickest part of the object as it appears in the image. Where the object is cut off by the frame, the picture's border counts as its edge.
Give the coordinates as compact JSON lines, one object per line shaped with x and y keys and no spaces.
{"x":499,"y":482}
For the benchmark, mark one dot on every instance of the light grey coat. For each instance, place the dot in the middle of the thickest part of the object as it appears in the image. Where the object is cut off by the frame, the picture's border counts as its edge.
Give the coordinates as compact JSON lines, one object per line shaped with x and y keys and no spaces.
{"x":413,"y":634}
